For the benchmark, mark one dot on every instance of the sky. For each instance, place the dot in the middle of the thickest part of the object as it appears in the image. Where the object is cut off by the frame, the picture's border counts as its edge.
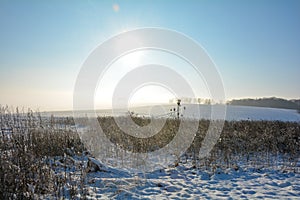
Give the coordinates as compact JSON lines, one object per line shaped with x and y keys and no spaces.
{"x":255,"y":45}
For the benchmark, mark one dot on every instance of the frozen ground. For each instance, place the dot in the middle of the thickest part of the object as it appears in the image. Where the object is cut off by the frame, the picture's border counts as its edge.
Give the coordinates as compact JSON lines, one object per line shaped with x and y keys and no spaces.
{"x":185,"y":182}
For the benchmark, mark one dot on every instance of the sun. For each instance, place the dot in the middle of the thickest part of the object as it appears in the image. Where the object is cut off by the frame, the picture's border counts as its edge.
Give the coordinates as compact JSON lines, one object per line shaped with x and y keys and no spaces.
{"x":150,"y":94}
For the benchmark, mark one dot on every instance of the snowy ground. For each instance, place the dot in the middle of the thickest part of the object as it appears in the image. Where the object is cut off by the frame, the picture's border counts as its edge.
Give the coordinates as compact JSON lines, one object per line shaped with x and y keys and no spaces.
{"x":232,"y":112}
{"x":182,"y":182}
{"x":185,"y":182}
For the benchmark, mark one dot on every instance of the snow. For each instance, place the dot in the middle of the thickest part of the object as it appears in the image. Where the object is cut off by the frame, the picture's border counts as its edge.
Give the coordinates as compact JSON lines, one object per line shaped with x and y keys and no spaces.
{"x":184,"y":182}
{"x":204,"y":112}
{"x":187,"y":182}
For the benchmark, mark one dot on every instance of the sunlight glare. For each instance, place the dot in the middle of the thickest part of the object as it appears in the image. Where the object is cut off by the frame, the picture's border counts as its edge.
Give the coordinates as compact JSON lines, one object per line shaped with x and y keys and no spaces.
{"x":150,"y":95}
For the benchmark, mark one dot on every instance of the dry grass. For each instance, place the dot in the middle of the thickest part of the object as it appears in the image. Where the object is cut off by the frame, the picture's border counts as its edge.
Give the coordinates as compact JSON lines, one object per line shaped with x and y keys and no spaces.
{"x":30,"y":147}
{"x":45,"y":156}
{"x":258,"y":143}
{"x":239,"y":141}
{"x":135,"y":144}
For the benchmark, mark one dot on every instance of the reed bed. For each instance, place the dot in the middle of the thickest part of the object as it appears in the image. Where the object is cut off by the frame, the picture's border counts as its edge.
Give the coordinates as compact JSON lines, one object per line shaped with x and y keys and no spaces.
{"x":35,"y":156}
{"x":44,"y":156}
{"x":256,"y":143}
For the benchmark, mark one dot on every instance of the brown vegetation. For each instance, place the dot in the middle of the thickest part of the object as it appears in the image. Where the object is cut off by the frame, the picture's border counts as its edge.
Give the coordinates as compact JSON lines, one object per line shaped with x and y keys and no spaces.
{"x":31,"y":148}
{"x":37,"y":154}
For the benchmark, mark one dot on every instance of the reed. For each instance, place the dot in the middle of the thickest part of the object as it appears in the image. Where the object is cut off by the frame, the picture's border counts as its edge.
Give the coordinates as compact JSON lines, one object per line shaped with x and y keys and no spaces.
{"x":45,"y":157}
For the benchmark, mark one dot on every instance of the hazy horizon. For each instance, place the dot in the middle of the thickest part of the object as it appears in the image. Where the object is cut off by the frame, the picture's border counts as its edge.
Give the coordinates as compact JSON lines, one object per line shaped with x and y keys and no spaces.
{"x":254,"y":44}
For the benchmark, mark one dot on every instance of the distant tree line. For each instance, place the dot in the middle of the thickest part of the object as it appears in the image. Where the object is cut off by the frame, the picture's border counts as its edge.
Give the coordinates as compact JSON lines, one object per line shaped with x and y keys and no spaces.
{"x":271,"y":102}
{"x":191,"y":100}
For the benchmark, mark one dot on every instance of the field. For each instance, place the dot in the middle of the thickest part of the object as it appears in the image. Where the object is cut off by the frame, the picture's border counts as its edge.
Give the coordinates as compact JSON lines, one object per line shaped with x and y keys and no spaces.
{"x":44,"y":158}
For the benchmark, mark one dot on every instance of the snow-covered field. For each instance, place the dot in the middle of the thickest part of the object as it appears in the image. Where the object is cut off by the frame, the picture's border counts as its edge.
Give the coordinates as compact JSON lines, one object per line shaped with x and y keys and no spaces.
{"x":245,"y":181}
{"x":270,"y":170}
{"x":203,"y":112}
{"x":186,"y":182}
{"x":232,"y":112}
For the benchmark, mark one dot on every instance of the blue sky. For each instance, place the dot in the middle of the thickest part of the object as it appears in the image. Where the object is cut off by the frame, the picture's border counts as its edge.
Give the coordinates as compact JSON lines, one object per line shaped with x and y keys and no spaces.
{"x":255,"y":44}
